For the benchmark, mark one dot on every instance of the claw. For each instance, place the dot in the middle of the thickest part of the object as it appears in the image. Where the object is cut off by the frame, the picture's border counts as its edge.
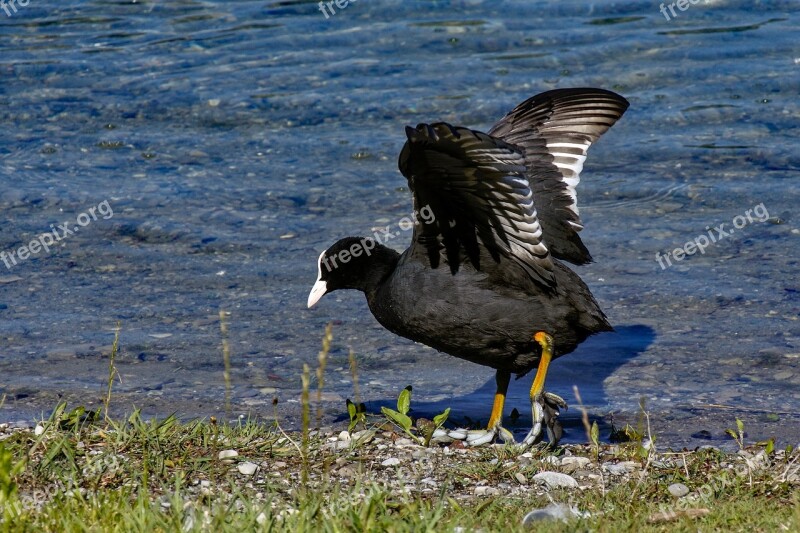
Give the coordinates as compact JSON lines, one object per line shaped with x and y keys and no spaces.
{"x":545,"y":409}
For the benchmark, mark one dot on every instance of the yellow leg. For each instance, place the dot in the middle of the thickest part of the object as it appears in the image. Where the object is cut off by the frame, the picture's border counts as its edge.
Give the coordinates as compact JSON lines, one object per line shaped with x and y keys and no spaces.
{"x":546,"y":342}
{"x":544,"y":405}
{"x":496,"y":419}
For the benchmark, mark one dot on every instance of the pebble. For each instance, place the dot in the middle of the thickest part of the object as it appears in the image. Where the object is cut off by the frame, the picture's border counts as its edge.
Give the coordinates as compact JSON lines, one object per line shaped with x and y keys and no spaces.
{"x":554,"y":511}
{"x":575,"y":462}
{"x":392,"y":461}
{"x":520,"y":477}
{"x":483,"y":490}
{"x":247,"y":468}
{"x":678,"y":490}
{"x":619,"y":468}
{"x":556,"y":480}
{"x":39,"y":430}
{"x":227,"y":455}
{"x":344,"y":436}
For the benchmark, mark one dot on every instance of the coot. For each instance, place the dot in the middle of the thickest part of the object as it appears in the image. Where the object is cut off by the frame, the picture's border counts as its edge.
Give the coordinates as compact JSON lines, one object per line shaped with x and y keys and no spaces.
{"x":483,"y":279}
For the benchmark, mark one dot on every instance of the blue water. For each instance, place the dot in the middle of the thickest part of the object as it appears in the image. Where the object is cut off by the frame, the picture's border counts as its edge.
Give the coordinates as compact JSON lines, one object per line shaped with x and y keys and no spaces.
{"x":233,"y":141}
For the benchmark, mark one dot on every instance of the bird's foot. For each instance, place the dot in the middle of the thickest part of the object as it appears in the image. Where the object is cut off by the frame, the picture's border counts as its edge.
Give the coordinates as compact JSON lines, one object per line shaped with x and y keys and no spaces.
{"x":476,"y":437}
{"x":545,"y":408}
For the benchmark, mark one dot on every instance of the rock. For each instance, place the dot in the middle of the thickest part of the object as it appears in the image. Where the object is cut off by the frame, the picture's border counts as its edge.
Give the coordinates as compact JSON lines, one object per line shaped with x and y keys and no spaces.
{"x":554,"y":511}
{"x":483,"y":490}
{"x":619,"y":468}
{"x":678,"y":490}
{"x":261,"y":519}
{"x":572,"y":463}
{"x":227,"y":455}
{"x":520,"y":477}
{"x":556,"y":480}
{"x":247,"y":468}
{"x":344,"y":436}
{"x":404,"y":442}
{"x":39,"y":430}
{"x":392,"y":461}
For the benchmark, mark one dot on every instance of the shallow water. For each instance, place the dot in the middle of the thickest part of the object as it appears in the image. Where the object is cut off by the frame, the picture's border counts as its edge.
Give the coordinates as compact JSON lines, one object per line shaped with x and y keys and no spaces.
{"x":233,"y":141}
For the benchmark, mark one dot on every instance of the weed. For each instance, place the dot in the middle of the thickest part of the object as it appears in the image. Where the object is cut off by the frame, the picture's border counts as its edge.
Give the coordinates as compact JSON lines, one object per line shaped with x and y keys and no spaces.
{"x":738,"y":434}
{"x":226,"y":359}
{"x":112,"y":370}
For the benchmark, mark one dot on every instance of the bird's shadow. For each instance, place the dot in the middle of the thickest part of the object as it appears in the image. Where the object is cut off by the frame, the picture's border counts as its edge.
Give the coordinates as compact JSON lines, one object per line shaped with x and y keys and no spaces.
{"x":586,"y":368}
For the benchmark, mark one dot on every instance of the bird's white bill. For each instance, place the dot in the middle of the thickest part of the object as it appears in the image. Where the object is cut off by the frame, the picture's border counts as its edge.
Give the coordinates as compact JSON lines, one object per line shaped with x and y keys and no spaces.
{"x":317,"y":291}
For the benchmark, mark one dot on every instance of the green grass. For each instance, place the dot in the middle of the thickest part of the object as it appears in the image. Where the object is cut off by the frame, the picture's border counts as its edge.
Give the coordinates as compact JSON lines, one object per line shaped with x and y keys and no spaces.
{"x":84,"y":471}
{"x":81,"y":474}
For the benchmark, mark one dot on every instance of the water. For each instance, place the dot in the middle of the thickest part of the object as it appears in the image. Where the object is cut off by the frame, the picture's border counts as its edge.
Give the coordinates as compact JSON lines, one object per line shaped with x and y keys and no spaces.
{"x":233,"y":141}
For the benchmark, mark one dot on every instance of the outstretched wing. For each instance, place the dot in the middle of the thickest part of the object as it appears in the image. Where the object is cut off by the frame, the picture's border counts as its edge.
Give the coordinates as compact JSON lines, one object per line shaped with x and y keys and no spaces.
{"x":555,"y":129}
{"x":475,"y":186}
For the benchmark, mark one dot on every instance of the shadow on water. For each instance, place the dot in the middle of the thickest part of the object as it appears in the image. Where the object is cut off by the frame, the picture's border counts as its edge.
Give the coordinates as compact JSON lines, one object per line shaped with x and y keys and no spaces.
{"x":587,"y":368}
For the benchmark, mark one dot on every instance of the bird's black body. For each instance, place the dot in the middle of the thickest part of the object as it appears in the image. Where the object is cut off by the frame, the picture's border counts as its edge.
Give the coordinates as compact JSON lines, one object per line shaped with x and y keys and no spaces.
{"x":487,"y":317}
{"x":483,"y":275}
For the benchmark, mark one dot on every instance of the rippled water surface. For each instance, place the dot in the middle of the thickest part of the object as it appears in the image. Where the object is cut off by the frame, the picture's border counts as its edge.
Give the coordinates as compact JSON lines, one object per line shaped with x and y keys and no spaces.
{"x":233,"y":141}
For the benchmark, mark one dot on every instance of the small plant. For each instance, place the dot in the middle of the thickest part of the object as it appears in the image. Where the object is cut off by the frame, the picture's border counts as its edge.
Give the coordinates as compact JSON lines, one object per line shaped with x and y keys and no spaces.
{"x":400,"y":418}
{"x":428,"y":427}
{"x":357,"y":413}
{"x":226,"y":359}
{"x":9,"y":470}
{"x":768,"y":445}
{"x":594,"y":435}
{"x":322,"y":359}
{"x":738,"y":434}
{"x":593,"y":431}
{"x":112,"y":370}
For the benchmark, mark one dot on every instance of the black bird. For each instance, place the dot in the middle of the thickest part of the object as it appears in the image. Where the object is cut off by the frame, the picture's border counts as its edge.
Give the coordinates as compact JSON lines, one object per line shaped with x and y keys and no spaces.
{"x":483,"y":279}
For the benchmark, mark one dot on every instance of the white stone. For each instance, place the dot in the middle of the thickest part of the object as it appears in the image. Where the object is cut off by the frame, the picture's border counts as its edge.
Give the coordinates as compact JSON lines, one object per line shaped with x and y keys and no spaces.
{"x":247,"y":468}
{"x":392,"y":461}
{"x":38,"y":430}
{"x":483,"y":490}
{"x":228,"y":454}
{"x":556,"y":480}
{"x":678,"y":490}
{"x":577,"y":462}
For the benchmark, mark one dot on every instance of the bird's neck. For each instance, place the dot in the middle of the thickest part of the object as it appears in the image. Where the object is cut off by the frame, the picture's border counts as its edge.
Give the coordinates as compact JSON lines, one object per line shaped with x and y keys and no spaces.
{"x":382,"y":262}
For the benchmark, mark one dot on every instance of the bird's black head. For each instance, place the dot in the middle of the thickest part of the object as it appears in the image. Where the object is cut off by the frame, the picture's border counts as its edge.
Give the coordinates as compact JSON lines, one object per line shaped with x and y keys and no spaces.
{"x":352,"y":263}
